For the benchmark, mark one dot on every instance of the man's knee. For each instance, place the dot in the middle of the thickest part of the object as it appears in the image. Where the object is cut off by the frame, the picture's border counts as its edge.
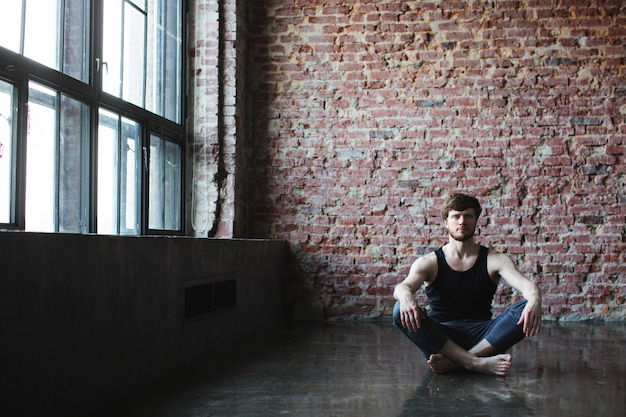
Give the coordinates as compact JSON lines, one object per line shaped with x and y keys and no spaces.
{"x":506,"y":331}
{"x":517,"y":308}
{"x":429,"y":338}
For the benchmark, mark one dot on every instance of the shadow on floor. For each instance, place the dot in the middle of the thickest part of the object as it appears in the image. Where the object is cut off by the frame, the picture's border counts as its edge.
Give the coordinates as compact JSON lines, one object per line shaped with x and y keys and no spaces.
{"x":370,"y":369}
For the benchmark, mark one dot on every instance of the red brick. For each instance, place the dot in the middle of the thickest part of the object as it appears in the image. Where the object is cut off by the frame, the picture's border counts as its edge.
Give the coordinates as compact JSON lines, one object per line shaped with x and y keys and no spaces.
{"x":530,"y":123}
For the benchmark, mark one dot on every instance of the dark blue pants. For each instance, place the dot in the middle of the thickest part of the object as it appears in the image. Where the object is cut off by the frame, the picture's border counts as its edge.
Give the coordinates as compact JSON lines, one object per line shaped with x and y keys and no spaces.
{"x":501,"y":332}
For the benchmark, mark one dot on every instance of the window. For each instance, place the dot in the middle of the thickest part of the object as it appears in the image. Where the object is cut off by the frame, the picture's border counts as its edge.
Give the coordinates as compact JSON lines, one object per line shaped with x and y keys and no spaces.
{"x":91,"y":135}
{"x":54,"y":33}
{"x":57,"y":160}
{"x":119,"y":163}
{"x":7,"y":139}
{"x":142,"y":54}
{"x":165,"y":181}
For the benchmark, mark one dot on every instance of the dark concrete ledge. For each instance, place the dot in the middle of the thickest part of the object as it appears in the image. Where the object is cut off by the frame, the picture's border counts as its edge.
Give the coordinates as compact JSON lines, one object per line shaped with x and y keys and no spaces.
{"x":85,"y":318}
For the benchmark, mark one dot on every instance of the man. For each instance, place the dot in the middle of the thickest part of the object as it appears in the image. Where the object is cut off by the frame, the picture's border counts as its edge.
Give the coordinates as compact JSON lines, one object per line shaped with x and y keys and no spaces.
{"x":460,"y":280}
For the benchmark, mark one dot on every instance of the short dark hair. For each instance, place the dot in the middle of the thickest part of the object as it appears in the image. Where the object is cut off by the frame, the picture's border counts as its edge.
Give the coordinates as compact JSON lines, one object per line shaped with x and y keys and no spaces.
{"x":460,"y":202}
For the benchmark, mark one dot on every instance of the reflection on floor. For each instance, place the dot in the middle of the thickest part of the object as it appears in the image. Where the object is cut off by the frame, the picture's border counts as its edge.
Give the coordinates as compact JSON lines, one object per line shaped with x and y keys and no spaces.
{"x":370,"y":369}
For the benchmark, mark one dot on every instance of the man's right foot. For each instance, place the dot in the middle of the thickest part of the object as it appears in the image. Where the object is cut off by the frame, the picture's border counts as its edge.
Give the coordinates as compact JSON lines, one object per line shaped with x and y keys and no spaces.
{"x":440,"y":364}
{"x":492,"y":365}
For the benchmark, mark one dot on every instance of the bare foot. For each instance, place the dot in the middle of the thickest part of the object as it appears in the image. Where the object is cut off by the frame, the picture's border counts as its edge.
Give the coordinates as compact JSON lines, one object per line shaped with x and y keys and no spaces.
{"x":493,"y":365}
{"x":440,"y":364}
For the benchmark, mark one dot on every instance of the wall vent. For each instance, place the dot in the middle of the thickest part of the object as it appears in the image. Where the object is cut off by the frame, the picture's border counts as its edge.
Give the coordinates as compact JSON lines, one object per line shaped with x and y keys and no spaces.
{"x":203,"y":297}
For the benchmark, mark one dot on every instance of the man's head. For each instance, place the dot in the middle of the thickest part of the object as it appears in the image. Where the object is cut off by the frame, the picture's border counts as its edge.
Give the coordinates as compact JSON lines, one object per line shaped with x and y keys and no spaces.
{"x":460,"y":213}
{"x":460,"y":202}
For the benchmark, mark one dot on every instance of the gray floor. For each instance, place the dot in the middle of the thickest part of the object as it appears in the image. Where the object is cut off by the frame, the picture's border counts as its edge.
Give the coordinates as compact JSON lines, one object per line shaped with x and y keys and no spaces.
{"x":370,"y":369}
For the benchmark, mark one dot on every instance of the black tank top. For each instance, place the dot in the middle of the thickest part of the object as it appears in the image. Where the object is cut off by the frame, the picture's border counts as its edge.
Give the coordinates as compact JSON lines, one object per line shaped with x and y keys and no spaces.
{"x":455,"y":295}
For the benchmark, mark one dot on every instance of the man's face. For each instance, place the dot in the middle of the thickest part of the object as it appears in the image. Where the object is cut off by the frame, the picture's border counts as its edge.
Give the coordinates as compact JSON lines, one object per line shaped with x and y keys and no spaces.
{"x":461,"y":224}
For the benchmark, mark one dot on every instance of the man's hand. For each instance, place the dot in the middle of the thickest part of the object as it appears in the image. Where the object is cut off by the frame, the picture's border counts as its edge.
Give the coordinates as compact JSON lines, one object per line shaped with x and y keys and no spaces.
{"x":422,"y":270}
{"x":411,"y":314}
{"x":531,"y":318}
{"x":502,"y":265}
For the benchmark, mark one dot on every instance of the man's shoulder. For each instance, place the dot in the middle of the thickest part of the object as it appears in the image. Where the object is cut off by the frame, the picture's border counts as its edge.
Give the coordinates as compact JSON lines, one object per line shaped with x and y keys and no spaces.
{"x":427,"y":258}
{"x":497,"y":259}
{"x":426,"y":264}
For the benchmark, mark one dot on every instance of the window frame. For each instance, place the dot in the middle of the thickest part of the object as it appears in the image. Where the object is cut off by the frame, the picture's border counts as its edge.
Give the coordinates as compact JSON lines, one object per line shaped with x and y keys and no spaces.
{"x":19,"y":70}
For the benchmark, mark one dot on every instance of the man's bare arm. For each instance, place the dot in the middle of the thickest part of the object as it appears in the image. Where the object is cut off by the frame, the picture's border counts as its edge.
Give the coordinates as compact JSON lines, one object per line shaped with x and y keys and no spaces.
{"x":422,"y":270}
{"x":531,"y":315}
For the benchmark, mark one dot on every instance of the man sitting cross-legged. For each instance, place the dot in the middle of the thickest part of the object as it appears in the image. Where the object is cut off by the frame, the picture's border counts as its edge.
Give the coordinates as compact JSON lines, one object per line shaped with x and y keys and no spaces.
{"x":460,"y":280}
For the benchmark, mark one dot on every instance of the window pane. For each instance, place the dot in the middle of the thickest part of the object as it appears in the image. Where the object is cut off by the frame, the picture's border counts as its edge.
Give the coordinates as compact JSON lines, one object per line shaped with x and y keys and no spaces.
{"x":112,"y":48}
{"x":56,"y":33}
{"x":124,"y":51}
{"x":41,"y":159}
{"x":11,"y":25}
{"x":131,"y":176}
{"x":134,"y":53}
{"x":119,"y":175}
{"x":57,"y":162}
{"x":41,"y":35}
{"x":6,"y":151}
{"x":108,"y":138}
{"x":143,"y":54}
{"x":165,"y":185}
{"x":76,"y":39}
{"x":164,"y":60}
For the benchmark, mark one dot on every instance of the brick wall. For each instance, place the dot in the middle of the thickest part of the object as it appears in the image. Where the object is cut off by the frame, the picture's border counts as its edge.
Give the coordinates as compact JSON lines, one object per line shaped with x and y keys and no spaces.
{"x":217,"y":192}
{"x":367,"y":113}
{"x":203,"y":161}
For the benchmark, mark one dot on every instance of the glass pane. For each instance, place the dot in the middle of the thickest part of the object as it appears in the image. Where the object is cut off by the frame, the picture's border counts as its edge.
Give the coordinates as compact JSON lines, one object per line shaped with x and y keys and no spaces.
{"x":134,"y":53}
{"x":108,"y":145}
{"x":165,"y":185}
{"x":41,"y":159}
{"x":56,"y":33}
{"x":73,"y":166}
{"x":41,"y":35}
{"x":164,"y":61}
{"x":131,"y":177}
{"x":119,"y":174}
{"x":143,"y":54}
{"x":6,"y":151}
{"x":11,"y":25}
{"x":112,"y":48}
{"x":57,"y":162}
{"x":124,"y":51}
{"x":76,"y":40}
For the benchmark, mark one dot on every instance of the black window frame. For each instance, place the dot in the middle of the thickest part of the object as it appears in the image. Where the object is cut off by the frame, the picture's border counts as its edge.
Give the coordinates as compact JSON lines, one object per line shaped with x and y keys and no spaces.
{"x":20,"y":71}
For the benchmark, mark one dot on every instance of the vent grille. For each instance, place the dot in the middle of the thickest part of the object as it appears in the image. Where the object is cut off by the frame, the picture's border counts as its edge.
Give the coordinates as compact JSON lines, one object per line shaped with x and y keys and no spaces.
{"x":207,"y":297}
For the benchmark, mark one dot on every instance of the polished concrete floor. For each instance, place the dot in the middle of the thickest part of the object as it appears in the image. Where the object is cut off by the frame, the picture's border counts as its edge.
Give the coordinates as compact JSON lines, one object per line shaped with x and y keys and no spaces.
{"x":369,"y":369}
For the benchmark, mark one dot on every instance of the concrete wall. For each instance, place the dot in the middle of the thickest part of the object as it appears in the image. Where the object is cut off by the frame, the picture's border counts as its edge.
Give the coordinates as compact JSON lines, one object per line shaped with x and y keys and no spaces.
{"x":85,"y":318}
{"x":368,"y":113}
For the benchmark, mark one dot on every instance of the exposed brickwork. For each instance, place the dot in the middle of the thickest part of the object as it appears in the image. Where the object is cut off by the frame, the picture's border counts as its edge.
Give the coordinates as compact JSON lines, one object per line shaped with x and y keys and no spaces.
{"x":203,"y":117}
{"x":369,"y":112}
{"x":217,"y":191}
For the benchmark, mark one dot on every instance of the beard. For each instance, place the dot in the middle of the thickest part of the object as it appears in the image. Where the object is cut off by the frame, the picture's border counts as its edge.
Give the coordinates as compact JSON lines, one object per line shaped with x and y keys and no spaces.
{"x":462,"y":236}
